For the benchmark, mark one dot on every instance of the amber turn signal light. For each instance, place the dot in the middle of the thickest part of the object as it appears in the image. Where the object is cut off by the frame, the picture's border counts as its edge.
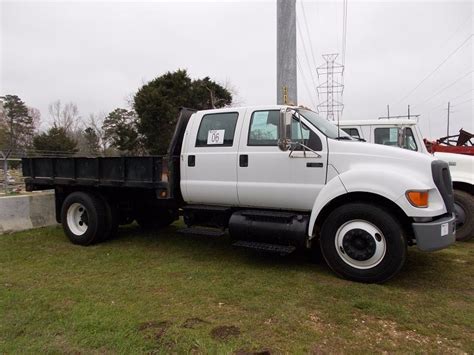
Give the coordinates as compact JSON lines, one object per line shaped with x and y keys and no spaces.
{"x":418,"y":198}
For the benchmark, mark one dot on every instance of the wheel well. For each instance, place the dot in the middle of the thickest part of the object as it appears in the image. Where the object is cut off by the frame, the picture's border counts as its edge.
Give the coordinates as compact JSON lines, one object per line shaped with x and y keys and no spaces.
{"x":372,"y":199}
{"x":463,"y":186}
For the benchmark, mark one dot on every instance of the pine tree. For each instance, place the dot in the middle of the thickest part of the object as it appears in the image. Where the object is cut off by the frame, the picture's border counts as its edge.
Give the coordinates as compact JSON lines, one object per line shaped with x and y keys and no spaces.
{"x":157,"y":104}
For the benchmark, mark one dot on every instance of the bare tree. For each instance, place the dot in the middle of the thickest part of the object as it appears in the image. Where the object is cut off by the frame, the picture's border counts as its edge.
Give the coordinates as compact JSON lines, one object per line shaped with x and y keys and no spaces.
{"x":96,"y":122}
{"x":236,"y":99}
{"x":65,"y":116}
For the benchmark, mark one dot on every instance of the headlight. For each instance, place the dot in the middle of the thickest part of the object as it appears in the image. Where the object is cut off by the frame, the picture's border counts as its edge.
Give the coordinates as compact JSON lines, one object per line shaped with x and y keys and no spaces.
{"x":418,"y":198}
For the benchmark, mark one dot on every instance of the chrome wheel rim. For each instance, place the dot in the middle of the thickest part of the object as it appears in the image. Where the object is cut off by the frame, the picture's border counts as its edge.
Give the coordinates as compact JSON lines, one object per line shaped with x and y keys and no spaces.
{"x":360,"y":244}
{"x":77,"y":219}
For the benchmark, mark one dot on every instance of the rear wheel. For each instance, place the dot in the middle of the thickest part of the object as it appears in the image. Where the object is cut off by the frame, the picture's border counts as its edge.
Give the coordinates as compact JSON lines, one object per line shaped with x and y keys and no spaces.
{"x":158,"y":219}
{"x":112,"y":218}
{"x":363,"y":243}
{"x":464,"y":210}
{"x":84,"y":218}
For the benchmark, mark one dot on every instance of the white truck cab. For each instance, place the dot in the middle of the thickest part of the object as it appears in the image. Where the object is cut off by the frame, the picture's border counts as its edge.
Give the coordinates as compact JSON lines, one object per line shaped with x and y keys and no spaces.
{"x":405,"y":133}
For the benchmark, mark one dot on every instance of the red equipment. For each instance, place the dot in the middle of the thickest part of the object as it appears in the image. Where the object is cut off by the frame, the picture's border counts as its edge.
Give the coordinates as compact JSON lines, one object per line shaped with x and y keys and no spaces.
{"x":461,"y":143}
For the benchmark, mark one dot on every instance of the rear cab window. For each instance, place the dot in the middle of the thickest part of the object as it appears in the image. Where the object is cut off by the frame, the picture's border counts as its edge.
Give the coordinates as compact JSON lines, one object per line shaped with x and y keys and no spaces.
{"x":353,"y":132}
{"x":396,"y":137}
{"x":217,"y":130}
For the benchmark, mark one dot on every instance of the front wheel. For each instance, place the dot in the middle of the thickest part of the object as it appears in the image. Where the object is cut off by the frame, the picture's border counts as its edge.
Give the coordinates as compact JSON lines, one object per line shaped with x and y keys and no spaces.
{"x":464,"y":210}
{"x":363,"y":243}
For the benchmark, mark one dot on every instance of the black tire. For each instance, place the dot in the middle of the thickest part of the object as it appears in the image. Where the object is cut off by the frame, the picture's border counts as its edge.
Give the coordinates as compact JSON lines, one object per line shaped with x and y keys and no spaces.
{"x":464,"y":208}
{"x":159,"y":219}
{"x":112,"y":219}
{"x":93,"y":216}
{"x":389,"y":247}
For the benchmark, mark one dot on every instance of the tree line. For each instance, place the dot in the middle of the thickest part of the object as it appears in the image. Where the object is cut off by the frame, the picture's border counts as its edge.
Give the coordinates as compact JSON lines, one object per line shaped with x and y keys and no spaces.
{"x":145,"y":127}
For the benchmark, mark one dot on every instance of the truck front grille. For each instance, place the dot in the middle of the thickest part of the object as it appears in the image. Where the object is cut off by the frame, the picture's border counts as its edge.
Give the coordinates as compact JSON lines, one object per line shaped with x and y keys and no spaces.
{"x":442,"y":180}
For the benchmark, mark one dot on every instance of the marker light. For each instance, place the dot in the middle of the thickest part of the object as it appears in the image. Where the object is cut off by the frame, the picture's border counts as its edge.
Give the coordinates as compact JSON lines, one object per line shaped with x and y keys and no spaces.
{"x":418,"y":198}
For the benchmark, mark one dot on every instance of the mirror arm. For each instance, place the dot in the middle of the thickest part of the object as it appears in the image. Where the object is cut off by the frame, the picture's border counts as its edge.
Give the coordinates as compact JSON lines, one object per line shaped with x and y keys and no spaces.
{"x":304,"y":147}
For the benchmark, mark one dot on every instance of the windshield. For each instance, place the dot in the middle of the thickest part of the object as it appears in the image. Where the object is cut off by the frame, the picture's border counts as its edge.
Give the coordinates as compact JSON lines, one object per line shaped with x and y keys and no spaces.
{"x":326,"y":127}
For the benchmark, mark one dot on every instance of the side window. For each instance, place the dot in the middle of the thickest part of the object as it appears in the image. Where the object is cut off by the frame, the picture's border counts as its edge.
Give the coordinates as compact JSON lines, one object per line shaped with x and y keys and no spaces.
{"x":217,"y":129}
{"x":386,"y":136}
{"x":304,"y":135}
{"x":264,"y":128}
{"x":353,"y":132}
{"x":264,"y":131}
{"x":409,"y":140}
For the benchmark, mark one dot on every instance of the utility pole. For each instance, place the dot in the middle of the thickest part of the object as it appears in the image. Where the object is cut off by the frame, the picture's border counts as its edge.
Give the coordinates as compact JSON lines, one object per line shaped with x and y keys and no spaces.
{"x":447,"y":128}
{"x":388,"y":111}
{"x":286,"y":52}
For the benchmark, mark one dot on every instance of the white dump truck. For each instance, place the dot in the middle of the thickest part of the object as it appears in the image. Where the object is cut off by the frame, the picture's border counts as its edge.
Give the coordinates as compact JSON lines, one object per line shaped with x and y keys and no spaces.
{"x":277,"y":178}
{"x":405,"y":133}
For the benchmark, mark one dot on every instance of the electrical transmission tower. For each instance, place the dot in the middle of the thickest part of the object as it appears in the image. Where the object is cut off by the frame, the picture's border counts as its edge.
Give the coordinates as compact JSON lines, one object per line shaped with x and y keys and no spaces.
{"x":330,"y":90}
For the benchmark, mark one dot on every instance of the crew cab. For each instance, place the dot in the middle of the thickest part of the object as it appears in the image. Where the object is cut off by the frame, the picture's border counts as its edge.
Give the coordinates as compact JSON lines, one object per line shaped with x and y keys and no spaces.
{"x":276,"y":177}
{"x":405,"y":133}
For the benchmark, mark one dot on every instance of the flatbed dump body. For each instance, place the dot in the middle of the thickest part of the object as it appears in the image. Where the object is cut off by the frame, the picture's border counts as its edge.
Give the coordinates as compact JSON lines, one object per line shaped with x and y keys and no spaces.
{"x":143,"y":172}
{"x":155,"y":172}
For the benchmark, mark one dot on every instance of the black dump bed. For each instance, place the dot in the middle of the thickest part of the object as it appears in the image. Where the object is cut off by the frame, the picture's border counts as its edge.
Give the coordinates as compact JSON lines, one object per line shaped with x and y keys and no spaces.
{"x":143,"y":172}
{"x":160,"y":173}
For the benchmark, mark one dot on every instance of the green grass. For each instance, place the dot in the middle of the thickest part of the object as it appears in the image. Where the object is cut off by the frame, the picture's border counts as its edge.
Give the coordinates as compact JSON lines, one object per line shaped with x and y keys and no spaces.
{"x":167,"y":292}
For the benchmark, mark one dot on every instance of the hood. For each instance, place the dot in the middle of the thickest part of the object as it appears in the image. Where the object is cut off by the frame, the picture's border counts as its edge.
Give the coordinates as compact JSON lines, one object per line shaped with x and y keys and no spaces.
{"x":345,"y":155}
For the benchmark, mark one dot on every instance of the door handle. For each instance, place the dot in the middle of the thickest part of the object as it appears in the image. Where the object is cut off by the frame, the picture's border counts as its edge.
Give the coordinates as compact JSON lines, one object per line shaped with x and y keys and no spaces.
{"x":191,"y":160}
{"x":314,"y":165}
{"x":243,"y":160}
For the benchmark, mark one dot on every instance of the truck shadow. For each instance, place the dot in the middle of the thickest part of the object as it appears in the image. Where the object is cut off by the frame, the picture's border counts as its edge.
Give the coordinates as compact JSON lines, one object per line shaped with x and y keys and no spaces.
{"x":422,"y":270}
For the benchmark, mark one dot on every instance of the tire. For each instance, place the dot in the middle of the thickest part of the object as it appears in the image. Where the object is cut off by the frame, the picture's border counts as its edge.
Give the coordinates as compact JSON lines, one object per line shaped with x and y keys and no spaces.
{"x":84,"y":218}
{"x":112,"y":219}
{"x":464,"y":209}
{"x":161,"y":219}
{"x":363,"y":243}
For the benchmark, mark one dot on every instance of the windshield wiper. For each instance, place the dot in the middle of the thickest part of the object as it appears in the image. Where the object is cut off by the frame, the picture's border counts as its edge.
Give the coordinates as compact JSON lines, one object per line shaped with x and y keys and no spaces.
{"x":343,"y":138}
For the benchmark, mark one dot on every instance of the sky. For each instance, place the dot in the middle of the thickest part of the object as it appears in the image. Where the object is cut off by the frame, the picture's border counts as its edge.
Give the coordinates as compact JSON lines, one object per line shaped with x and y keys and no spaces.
{"x":98,"y":54}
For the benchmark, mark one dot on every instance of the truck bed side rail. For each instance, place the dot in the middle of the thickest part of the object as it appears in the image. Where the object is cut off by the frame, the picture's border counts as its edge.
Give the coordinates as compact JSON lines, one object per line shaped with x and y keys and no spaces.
{"x":136,"y":172}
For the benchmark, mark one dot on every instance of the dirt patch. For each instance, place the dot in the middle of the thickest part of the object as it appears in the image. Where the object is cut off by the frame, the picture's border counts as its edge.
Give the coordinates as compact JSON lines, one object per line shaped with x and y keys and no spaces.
{"x":247,"y":352}
{"x":155,"y":329}
{"x":390,"y":332}
{"x":192,"y":323}
{"x":225,"y":332}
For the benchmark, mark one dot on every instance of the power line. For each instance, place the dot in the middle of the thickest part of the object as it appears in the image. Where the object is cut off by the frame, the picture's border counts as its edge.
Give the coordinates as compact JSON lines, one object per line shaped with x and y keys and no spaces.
{"x":447,"y":87}
{"x":456,"y":31}
{"x":306,"y":83}
{"x":344,"y":36}
{"x":436,"y":69}
{"x":463,"y":102}
{"x":308,"y":33}
{"x":457,"y":97}
{"x":344,"y":32}
{"x":306,"y":54}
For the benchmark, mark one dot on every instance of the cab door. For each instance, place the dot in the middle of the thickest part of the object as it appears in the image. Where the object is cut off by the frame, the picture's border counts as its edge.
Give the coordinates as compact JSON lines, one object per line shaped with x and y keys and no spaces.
{"x":209,"y":162}
{"x":269,"y":177}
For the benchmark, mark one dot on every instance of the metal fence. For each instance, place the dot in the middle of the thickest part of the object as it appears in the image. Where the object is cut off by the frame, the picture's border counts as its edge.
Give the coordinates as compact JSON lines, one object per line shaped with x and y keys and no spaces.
{"x":11,"y":178}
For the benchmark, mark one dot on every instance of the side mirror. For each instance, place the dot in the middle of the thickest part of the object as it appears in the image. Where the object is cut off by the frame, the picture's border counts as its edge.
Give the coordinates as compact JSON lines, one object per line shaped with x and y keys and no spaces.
{"x":284,"y":130}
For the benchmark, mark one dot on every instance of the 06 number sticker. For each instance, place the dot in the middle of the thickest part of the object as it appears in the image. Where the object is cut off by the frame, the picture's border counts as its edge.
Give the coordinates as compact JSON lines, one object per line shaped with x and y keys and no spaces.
{"x":215,"y":136}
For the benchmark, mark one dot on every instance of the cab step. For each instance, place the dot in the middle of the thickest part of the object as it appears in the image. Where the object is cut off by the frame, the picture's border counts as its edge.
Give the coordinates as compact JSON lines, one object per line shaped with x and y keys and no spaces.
{"x":271,"y":248}
{"x":208,"y":232}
